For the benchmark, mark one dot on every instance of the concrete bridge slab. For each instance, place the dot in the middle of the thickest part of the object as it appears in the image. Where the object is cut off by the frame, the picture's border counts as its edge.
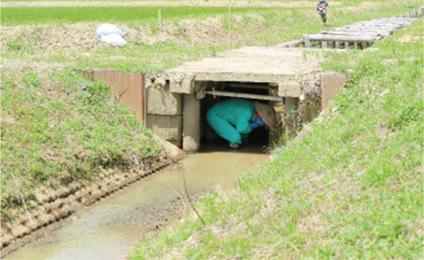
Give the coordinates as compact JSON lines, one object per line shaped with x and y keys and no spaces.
{"x":271,"y":65}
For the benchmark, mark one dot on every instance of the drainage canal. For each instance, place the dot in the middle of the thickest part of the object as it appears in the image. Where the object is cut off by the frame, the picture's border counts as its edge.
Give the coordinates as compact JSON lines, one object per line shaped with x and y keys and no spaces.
{"x":110,"y":228}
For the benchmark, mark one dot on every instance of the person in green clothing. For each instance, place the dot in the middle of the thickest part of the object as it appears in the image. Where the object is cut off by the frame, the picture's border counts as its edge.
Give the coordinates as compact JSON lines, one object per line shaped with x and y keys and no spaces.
{"x":234,"y":119}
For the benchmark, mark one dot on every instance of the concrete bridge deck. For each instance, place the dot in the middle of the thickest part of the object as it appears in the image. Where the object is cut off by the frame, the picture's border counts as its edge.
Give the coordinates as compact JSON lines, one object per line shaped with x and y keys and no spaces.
{"x":270,"y":65}
{"x":278,"y":76}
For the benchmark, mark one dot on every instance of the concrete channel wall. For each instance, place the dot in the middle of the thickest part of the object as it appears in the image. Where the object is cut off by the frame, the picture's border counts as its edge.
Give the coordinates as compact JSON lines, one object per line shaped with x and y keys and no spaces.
{"x":128,"y":88}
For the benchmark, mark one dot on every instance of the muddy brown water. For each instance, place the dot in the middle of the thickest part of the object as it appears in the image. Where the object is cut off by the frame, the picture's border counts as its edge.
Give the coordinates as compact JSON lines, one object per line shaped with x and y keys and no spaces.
{"x":110,"y":228}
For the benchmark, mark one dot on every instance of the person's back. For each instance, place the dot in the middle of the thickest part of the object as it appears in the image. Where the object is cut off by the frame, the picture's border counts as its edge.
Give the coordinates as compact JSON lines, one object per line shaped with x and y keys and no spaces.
{"x":234,"y":119}
{"x":233,"y":109}
{"x":231,"y":119}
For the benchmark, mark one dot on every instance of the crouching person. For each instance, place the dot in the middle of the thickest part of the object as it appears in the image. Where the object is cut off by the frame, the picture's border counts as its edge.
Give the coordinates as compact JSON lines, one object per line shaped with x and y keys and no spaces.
{"x":234,"y":119}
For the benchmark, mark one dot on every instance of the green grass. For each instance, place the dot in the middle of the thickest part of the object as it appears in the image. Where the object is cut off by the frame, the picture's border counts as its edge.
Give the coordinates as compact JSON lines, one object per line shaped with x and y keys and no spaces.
{"x":58,"y":130}
{"x":351,"y":187}
{"x":40,"y":15}
{"x":148,"y":58}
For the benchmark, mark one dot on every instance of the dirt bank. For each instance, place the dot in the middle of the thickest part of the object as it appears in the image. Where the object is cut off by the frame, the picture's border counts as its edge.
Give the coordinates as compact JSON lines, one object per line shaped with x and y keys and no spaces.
{"x":80,"y":36}
{"x":67,"y":43}
{"x":165,"y":3}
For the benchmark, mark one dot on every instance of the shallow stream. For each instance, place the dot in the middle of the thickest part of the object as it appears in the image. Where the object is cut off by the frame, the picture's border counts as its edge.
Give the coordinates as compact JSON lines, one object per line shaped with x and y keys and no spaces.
{"x":110,"y":228}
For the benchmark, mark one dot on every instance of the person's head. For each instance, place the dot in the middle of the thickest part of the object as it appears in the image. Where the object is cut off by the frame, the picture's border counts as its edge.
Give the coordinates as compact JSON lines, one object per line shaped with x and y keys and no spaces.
{"x":267,"y":114}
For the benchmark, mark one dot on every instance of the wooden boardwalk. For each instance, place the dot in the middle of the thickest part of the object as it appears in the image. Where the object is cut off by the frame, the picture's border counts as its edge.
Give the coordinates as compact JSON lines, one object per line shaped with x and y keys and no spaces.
{"x":358,"y":35}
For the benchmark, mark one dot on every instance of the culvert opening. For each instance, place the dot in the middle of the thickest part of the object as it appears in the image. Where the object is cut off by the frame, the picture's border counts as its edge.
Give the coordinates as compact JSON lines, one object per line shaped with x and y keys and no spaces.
{"x":215,"y":92}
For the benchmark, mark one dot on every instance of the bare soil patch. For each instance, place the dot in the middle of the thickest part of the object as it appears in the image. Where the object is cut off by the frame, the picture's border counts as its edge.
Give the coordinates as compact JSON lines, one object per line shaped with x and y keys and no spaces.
{"x":40,"y":67}
{"x":407,"y":38}
{"x":363,"y":6}
{"x":66,"y":43}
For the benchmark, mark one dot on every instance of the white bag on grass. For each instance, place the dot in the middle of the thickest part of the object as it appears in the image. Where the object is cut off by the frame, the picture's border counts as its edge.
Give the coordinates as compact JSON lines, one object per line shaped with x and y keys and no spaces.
{"x":106,"y":29}
{"x":114,"y":39}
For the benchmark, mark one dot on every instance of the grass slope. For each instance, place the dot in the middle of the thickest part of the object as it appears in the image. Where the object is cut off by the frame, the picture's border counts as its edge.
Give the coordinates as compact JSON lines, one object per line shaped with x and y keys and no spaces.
{"x":349,"y":187}
{"x":61,"y":129}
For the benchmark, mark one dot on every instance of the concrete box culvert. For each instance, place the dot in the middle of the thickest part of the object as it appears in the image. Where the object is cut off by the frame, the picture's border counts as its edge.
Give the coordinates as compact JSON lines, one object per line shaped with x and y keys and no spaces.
{"x":317,"y":90}
{"x":287,"y":78}
{"x":272,"y":75}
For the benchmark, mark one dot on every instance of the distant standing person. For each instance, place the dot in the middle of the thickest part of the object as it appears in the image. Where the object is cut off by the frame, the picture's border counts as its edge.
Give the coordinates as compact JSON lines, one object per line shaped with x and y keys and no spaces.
{"x":322,"y":11}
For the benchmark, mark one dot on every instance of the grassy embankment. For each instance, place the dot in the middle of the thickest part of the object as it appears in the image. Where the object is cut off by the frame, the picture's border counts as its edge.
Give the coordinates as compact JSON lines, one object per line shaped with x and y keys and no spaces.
{"x":58,"y":130}
{"x":349,"y":187}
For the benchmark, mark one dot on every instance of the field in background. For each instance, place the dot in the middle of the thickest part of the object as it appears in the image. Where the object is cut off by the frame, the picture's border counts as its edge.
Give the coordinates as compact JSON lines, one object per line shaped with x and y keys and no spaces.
{"x":40,"y":15}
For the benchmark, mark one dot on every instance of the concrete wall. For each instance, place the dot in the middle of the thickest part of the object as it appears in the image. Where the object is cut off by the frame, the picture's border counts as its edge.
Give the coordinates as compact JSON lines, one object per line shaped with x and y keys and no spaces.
{"x":191,"y":123}
{"x":160,"y":101}
{"x":128,"y":88}
{"x":164,"y":113}
{"x":166,"y":127}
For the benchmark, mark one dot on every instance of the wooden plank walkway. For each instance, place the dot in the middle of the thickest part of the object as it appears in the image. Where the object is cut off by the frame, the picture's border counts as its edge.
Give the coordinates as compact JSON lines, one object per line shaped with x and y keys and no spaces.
{"x":358,"y":35}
